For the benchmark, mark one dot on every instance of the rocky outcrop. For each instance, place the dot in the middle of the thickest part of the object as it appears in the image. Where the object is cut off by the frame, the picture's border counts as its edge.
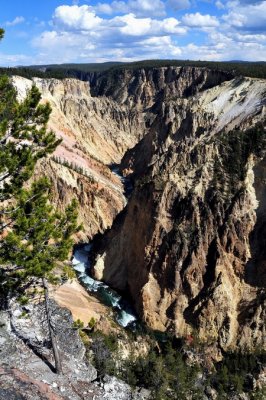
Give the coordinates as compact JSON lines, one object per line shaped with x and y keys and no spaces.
{"x":189,"y":248}
{"x":26,"y":363}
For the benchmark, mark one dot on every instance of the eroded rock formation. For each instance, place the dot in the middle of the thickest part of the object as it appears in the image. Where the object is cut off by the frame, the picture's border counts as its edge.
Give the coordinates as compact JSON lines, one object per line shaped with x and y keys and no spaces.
{"x":95,"y":134}
{"x":189,"y":247}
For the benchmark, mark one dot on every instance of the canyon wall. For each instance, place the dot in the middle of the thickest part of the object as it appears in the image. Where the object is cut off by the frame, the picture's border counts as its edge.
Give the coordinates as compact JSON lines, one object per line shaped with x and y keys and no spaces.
{"x":189,"y":247}
{"x":95,"y":134}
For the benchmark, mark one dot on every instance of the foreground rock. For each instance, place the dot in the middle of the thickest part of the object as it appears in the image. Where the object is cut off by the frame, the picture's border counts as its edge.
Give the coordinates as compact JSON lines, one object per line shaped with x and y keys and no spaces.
{"x":26,"y":356}
{"x":26,"y":363}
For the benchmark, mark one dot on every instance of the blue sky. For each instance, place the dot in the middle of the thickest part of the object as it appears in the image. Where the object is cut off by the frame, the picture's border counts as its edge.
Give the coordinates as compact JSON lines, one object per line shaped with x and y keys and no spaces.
{"x":58,"y":31}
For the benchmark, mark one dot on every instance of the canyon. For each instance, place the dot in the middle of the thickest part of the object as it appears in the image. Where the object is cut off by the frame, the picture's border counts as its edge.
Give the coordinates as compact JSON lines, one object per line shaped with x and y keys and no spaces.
{"x":188,"y":247}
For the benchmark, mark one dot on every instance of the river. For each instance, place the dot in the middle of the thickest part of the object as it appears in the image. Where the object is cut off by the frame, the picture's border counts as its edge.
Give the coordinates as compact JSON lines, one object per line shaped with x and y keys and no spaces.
{"x":124,"y":313}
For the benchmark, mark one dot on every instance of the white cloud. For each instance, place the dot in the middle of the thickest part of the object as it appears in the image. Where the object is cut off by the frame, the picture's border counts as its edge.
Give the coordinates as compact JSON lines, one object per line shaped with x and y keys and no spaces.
{"x":220,"y":5}
{"x":146,"y":26}
{"x":65,"y":47}
{"x":223,"y":51}
{"x":84,"y":20}
{"x":75,"y":17}
{"x":162,"y":48}
{"x":15,"y":59}
{"x":16,"y":21}
{"x":154,"y":8}
{"x":199,"y":20}
{"x":79,"y":34}
{"x":251,"y":17}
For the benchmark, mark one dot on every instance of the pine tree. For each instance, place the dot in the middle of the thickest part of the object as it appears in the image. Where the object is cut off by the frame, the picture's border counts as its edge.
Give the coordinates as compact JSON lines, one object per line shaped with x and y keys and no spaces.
{"x":40,"y":236}
{"x":33,"y":236}
{"x":23,"y":137}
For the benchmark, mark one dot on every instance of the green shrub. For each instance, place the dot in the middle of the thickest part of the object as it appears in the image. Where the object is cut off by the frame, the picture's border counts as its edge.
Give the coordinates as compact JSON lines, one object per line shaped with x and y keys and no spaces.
{"x":23,"y":300}
{"x":92,"y":323}
{"x":78,"y":324}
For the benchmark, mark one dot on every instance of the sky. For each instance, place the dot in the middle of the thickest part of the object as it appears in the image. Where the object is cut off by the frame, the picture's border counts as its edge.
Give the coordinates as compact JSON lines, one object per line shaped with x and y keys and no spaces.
{"x":84,"y":31}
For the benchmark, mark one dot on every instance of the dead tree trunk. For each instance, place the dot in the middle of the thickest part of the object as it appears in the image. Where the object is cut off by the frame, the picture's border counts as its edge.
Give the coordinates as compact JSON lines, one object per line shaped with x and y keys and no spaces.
{"x":58,"y":364}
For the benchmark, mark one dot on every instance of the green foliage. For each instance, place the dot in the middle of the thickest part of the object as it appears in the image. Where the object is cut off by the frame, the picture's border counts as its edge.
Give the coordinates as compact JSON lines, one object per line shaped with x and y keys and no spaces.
{"x":104,"y":348}
{"x":24,"y":314}
{"x":259,"y":394}
{"x":234,"y":371}
{"x":167,"y":374}
{"x":33,"y":235}
{"x":68,"y":272}
{"x":23,"y":300}
{"x":2,"y":33}
{"x":40,"y":236}
{"x":92,"y":323}
{"x":235,"y":148}
{"x":52,"y":279}
{"x":78,"y":324}
{"x":84,"y":71}
{"x":7,"y":103}
{"x":71,"y":165}
{"x":23,"y":136}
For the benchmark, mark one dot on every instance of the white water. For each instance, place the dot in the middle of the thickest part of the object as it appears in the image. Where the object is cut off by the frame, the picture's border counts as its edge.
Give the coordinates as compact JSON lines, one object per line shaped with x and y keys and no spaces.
{"x":81,"y":264}
{"x":124,"y":314}
{"x":126,"y":182}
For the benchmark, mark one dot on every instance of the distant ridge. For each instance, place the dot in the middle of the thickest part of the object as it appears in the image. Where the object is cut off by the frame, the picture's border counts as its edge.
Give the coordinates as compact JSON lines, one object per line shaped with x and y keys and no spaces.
{"x":84,"y":71}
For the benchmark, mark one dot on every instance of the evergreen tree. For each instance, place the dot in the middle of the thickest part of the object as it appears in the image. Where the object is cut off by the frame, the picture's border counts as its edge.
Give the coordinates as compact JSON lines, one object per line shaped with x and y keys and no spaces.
{"x":23,"y":137}
{"x":40,"y":236}
{"x":33,"y":236}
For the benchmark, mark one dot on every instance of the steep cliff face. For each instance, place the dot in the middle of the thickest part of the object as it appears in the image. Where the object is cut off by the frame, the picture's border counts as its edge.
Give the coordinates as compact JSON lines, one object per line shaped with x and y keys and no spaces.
{"x":95,"y":133}
{"x":98,"y":121}
{"x":190,"y":246}
{"x":142,"y":88}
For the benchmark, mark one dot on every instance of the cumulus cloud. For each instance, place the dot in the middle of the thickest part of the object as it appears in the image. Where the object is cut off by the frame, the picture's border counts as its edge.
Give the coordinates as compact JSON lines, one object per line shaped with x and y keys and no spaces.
{"x":75,"y":17}
{"x":81,"y":34}
{"x":199,"y":20}
{"x":250,"y":18}
{"x":16,"y":21}
{"x":84,"y":20}
{"x":153,"y":8}
{"x":133,"y":26}
{"x":63,"y":47}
